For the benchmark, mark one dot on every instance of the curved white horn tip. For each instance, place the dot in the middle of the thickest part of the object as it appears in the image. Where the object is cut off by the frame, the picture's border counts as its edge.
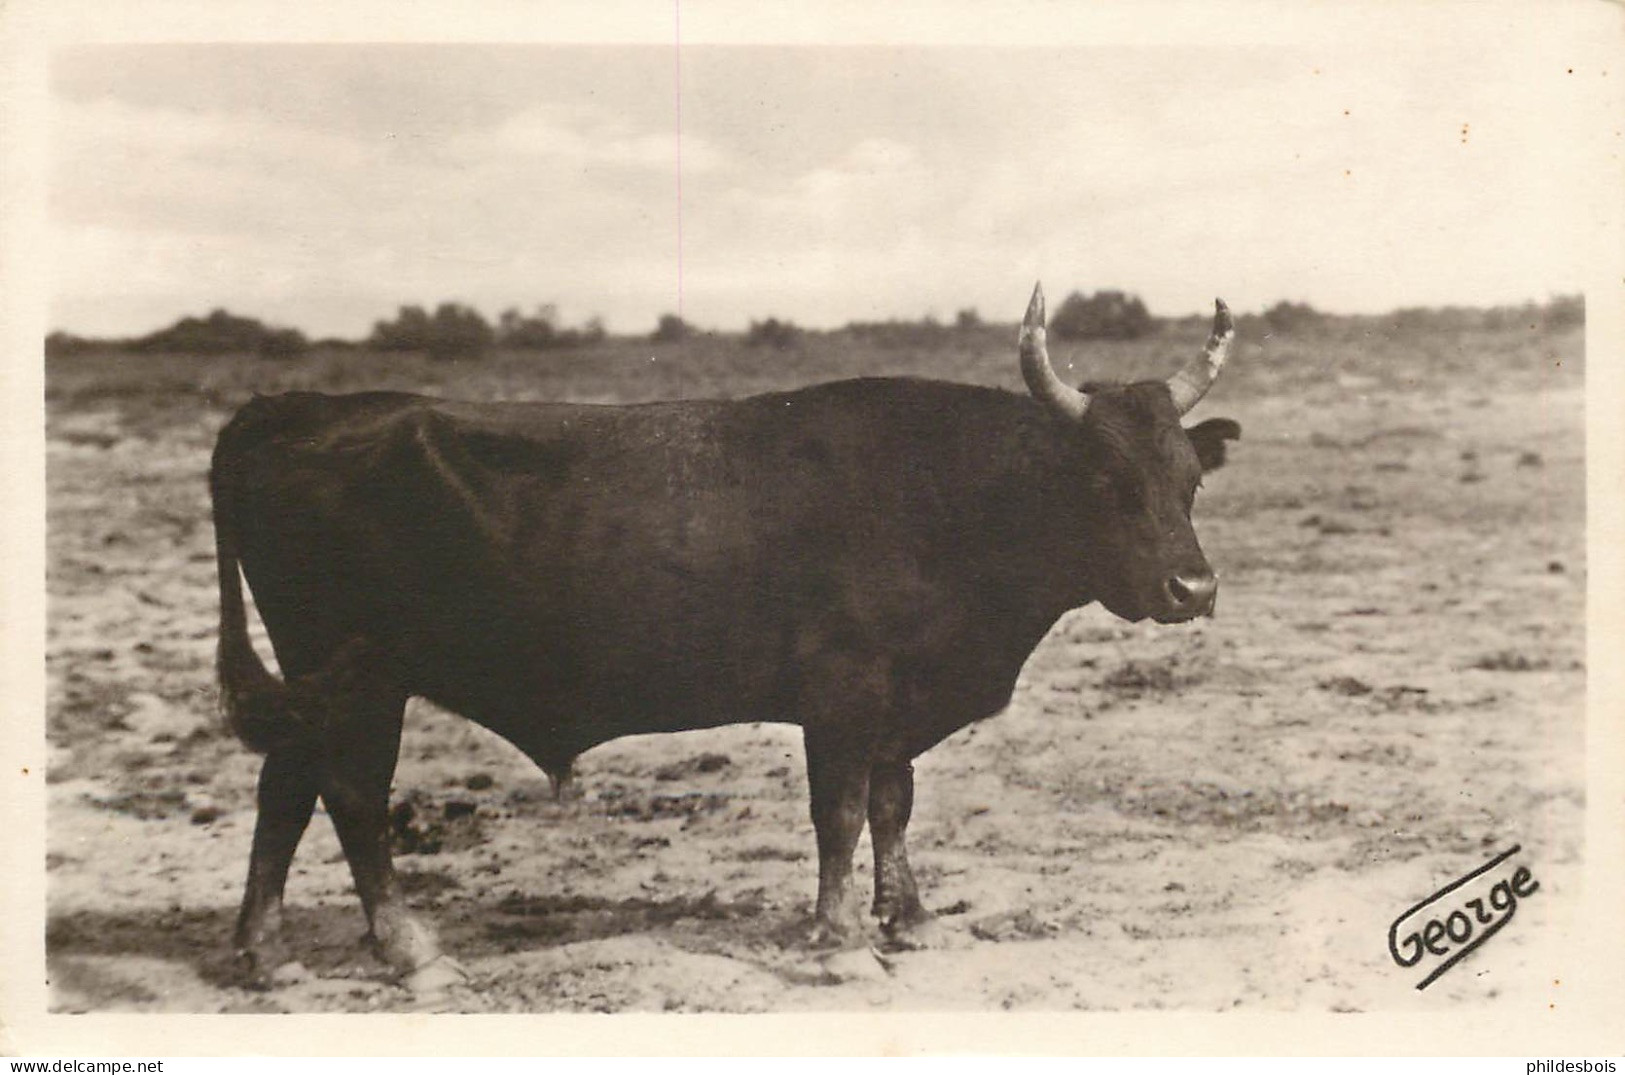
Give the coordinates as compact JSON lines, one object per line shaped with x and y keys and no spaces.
{"x":1035,"y":308}
{"x":1222,"y":322}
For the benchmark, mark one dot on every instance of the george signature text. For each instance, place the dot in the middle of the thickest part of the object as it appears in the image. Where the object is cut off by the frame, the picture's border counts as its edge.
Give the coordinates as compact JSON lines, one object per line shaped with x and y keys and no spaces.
{"x":1459,"y":917}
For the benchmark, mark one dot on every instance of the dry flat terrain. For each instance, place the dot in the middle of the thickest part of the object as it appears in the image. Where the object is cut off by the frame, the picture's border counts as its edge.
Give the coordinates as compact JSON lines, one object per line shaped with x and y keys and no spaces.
{"x":1221,"y":815}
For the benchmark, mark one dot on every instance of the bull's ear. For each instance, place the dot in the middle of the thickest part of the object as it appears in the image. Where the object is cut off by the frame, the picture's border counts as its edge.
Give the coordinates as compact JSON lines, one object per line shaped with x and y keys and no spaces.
{"x":1208,"y":439}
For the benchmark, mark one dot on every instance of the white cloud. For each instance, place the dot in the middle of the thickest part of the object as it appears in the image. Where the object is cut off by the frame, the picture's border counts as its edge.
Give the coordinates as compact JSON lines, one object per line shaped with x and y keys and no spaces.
{"x":195,"y":210}
{"x":582,"y":139}
{"x":822,"y":186}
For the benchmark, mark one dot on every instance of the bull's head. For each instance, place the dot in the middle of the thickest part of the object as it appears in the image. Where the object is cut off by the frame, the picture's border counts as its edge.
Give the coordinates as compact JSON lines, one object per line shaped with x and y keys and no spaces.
{"x":1140,"y":473}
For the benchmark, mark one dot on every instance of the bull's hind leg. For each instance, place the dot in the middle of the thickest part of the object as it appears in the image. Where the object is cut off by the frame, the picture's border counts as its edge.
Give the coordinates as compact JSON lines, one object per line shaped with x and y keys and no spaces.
{"x":902,"y":916}
{"x":360,"y":742}
{"x":287,"y":796}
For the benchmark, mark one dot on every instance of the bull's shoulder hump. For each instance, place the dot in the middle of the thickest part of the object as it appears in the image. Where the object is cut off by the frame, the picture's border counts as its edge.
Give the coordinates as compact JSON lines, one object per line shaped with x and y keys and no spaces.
{"x":311,"y":418}
{"x":298,"y":407}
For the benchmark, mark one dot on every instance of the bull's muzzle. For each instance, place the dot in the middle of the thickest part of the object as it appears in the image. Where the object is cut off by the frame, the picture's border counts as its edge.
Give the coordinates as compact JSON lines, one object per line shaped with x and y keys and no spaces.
{"x":1189,"y":596}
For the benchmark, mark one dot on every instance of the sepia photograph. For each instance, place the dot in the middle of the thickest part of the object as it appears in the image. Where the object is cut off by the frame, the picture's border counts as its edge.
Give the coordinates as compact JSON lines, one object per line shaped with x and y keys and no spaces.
{"x":1021,"y":512}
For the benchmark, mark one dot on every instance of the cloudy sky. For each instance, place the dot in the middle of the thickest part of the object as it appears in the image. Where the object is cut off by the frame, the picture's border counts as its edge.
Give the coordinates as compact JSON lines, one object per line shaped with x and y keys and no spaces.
{"x":323,"y":185}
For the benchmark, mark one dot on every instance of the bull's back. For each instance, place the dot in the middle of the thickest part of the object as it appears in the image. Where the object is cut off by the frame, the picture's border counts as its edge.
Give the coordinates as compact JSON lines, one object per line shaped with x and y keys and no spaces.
{"x":584,"y":566}
{"x":597,"y":571}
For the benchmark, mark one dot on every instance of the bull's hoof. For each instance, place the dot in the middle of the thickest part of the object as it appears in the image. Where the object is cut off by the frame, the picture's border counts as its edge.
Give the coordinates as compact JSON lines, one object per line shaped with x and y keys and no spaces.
{"x":916,"y":936}
{"x":436,"y":977}
{"x":826,"y":935}
{"x":290,"y":973}
{"x":258,"y":969}
{"x":851,"y":965}
{"x":403,"y":943}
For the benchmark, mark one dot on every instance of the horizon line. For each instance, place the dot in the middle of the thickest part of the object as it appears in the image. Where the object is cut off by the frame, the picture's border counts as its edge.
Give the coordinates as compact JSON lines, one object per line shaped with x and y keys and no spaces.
{"x":928,"y":318}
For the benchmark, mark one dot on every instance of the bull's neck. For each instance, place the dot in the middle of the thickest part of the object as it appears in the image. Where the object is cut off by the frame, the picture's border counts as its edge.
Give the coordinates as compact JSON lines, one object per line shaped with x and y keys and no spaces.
{"x":1037,"y":554}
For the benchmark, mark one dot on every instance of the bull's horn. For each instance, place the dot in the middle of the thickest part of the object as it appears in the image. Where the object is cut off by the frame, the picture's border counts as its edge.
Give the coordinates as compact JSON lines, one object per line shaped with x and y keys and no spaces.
{"x":1060,"y":398}
{"x":1191,"y":383}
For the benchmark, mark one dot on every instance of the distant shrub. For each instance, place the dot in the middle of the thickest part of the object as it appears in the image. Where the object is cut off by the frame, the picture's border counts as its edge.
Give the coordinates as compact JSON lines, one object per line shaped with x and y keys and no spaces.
{"x":223,"y":333}
{"x":772,"y":333}
{"x":1248,"y":326}
{"x":1566,"y":311}
{"x":1530,"y":317}
{"x":542,"y":330}
{"x":454,"y":331}
{"x":1105,"y":315}
{"x":533,"y":333}
{"x":282,"y":343}
{"x":1561,"y":312}
{"x":1419,"y":320}
{"x":968,"y":318}
{"x":410,"y":331}
{"x":58,"y":344}
{"x":592,"y":331}
{"x":671,"y":329}
{"x":459,"y":330}
{"x":1286,"y":318}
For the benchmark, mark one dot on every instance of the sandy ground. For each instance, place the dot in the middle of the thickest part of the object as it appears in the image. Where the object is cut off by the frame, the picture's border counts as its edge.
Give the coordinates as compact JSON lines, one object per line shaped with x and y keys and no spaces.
{"x":1216,"y":816}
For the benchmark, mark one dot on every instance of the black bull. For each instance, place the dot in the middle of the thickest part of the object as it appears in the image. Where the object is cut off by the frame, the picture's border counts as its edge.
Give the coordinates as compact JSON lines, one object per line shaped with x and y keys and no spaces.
{"x":872,"y":560}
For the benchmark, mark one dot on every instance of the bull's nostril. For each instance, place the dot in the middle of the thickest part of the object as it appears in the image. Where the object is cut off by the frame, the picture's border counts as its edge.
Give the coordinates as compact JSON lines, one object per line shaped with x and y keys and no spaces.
{"x":1192,"y":594}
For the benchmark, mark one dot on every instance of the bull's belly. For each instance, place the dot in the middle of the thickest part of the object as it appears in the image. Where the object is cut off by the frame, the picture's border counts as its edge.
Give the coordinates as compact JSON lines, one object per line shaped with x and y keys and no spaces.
{"x":555,"y":706}
{"x":558,"y":703}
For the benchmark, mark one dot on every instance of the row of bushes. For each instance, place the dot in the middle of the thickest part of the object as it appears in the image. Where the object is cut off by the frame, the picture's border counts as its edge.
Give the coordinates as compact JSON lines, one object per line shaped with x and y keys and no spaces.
{"x":218,"y":334}
{"x":1561,"y":312}
{"x":1105,"y":315}
{"x":455,"y":330}
{"x":451,"y":331}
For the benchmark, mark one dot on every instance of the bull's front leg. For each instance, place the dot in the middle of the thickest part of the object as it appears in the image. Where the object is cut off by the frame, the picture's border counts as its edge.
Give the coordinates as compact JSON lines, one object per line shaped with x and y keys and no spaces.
{"x":902,"y":916}
{"x":838,"y":779}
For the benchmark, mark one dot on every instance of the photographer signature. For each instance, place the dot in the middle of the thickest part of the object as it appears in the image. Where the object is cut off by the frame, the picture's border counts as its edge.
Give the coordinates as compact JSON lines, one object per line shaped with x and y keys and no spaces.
{"x":1440,"y":926}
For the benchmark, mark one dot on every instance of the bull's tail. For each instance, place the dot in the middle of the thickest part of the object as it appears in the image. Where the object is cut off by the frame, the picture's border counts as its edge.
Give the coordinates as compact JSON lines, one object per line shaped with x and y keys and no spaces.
{"x":257,"y":706}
